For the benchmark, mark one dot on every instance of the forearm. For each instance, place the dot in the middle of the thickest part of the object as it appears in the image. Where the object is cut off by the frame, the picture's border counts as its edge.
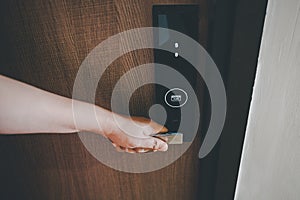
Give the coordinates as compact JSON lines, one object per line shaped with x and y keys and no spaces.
{"x":26,"y":109}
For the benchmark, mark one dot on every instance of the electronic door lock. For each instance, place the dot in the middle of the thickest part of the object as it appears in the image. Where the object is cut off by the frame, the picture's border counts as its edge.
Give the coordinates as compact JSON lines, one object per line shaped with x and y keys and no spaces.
{"x":184,"y":19}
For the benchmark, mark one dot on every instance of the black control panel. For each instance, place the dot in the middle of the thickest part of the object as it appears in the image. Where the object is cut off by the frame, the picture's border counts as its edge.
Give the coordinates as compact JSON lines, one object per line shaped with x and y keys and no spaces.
{"x":184,"y":19}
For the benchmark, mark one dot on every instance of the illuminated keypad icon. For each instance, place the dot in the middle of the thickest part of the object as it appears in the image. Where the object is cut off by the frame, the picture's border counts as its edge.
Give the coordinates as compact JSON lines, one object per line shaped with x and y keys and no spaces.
{"x":176,"y":97}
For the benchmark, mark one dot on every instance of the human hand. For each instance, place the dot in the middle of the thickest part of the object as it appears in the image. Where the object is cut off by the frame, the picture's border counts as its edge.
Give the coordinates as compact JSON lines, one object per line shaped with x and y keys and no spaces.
{"x":141,"y":138}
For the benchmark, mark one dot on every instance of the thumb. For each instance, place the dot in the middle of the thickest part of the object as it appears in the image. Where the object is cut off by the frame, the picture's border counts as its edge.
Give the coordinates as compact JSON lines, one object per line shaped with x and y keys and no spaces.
{"x":158,"y":128}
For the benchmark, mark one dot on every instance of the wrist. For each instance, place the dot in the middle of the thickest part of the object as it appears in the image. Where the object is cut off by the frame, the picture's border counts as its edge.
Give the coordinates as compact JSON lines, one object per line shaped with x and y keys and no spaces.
{"x":105,"y":121}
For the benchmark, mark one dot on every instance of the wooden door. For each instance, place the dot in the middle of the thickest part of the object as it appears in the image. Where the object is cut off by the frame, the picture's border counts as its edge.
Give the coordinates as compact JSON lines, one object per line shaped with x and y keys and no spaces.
{"x":43,"y":43}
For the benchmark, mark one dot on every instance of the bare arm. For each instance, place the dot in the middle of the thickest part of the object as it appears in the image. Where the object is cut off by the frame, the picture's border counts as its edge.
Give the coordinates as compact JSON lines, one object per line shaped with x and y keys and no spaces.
{"x":27,"y":109}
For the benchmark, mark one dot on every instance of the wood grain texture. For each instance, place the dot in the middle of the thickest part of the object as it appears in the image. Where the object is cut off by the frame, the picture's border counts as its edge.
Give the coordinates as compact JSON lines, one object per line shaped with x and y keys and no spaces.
{"x":43,"y":43}
{"x":270,"y":159}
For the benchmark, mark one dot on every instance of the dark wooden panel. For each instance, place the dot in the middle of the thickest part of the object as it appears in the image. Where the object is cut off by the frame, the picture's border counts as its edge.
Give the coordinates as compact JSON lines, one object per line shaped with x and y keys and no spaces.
{"x":43,"y":43}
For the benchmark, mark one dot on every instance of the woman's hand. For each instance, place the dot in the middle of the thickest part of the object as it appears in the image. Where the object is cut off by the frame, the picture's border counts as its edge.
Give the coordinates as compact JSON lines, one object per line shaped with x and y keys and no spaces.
{"x":140,"y":136}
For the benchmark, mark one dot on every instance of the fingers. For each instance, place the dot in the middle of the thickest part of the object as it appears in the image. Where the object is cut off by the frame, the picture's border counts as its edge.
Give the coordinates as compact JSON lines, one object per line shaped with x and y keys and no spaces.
{"x":144,"y":140}
{"x":123,"y":149}
{"x":162,"y":146}
{"x":134,"y":150}
{"x":150,"y":144}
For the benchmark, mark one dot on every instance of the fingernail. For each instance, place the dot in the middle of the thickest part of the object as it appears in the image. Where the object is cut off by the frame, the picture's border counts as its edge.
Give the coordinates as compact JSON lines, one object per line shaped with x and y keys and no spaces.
{"x":142,"y":151}
{"x":129,"y":151}
{"x":163,"y":129}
